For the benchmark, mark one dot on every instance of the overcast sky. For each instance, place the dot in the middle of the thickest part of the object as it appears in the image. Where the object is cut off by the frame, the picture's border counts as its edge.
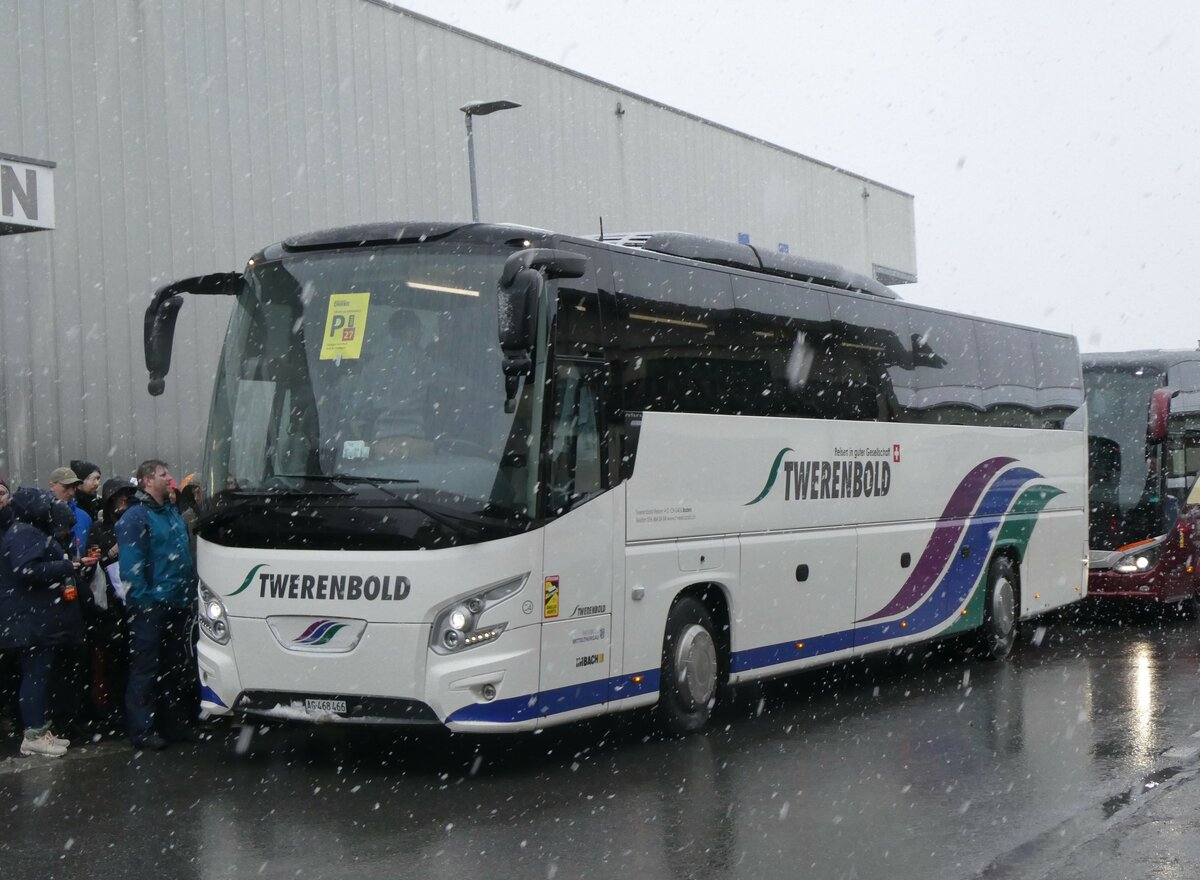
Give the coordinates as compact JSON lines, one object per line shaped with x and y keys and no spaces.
{"x":1053,"y":148}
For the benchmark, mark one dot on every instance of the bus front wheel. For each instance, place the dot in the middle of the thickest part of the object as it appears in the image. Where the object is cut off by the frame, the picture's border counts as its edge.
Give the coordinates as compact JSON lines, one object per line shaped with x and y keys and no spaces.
{"x":691,"y":668}
{"x":999,"y":628}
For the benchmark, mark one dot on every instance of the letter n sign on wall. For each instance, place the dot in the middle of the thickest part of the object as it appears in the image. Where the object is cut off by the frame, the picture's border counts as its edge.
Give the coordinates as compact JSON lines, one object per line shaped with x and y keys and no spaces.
{"x":26,"y":194}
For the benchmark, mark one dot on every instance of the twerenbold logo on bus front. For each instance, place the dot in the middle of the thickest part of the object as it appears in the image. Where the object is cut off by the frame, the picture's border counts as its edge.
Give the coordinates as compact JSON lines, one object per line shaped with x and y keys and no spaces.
{"x":335,"y":587}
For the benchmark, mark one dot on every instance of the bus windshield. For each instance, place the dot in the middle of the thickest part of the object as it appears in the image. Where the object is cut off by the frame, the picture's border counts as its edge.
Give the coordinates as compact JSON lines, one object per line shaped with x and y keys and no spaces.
{"x":1125,"y":475}
{"x":375,"y":369}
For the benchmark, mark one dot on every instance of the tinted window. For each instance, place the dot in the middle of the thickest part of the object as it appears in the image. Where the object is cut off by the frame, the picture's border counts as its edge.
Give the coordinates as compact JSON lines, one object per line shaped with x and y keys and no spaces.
{"x":1185,"y":378}
{"x":1007,"y":375}
{"x":662,"y":285}
{"x":1006,"y":364}
{"x":791,"y":303}
{"x":879,"y":333}
{"x":1060,"y":381}
{"x":946,"y":364}
{"x":679,"y":345}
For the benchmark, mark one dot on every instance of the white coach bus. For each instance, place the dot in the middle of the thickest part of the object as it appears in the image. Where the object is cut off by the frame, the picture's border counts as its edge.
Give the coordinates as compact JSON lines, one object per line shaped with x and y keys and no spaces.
{"x":498,"y":479}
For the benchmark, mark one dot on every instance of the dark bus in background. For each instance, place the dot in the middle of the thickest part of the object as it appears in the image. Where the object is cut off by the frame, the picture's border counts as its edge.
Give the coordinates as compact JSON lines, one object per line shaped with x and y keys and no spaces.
{"x":1143,"y":459}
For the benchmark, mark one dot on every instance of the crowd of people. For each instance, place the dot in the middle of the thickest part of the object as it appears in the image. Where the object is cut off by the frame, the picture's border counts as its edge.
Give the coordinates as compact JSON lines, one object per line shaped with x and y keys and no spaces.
{"x":97,"y":590}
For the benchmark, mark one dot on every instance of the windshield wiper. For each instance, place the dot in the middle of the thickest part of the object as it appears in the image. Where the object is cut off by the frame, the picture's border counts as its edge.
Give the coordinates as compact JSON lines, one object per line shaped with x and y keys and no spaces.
{"x":463,"y":523}
{"x":353,"y":478}
{"x":232,"y":502}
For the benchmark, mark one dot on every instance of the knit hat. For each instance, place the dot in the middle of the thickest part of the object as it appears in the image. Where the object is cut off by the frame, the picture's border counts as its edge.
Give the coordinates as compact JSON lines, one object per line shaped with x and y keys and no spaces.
{"x":83,"y":469}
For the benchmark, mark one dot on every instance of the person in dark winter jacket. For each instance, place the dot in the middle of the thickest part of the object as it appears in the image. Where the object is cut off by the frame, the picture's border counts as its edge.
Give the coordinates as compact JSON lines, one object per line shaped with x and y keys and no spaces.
{"x":107,"y":632}
{"x":86,"y":496}
{"x":9,"y":676}
{"x":156,"y":565}
{"x":39,"y":606}
{"x":115,"y":498}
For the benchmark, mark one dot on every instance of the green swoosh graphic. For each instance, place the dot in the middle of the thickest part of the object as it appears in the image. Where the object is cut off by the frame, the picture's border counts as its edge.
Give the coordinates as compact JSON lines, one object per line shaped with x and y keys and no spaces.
{"x":1016,"y":531}
{"x":249,"y":578}
{"x":771,"y":478}
{"x":329,"y":633}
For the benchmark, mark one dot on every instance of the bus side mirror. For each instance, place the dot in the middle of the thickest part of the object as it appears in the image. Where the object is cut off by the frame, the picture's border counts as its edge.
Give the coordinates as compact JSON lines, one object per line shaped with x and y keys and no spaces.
{"x":160,"y":337}
{"x":163,"y":311}
{"x":1160,"y":413}
{"x":521,"y":285}
{"x":518,"y":311}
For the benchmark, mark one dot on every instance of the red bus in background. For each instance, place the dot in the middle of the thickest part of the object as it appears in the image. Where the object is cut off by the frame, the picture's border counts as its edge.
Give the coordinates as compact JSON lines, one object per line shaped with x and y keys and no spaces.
{"x":1143,"y":459}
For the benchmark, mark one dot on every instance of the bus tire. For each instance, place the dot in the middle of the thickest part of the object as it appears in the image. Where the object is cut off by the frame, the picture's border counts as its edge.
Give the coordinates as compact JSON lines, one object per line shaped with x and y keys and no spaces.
{"x":998,"y":631}
{"x":691,"y":669}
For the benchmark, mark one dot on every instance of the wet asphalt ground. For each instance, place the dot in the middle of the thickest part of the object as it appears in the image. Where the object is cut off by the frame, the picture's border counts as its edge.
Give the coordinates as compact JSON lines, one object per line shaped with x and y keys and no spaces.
{"x":1078,"y":757}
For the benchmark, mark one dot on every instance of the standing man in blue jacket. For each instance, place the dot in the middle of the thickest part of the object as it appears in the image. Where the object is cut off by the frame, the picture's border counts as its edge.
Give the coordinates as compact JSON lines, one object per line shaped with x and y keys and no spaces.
{"x":156,"y":565}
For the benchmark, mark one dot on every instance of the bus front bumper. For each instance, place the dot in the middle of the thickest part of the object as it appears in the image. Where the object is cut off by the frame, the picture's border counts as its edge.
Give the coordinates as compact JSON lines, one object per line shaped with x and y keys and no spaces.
{"x":402,"y":681}
{"x":1150,"y":586}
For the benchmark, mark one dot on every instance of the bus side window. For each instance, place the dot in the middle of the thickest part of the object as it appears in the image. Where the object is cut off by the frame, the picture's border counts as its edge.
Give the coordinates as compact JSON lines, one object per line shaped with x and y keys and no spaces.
{"x":576,"y":451}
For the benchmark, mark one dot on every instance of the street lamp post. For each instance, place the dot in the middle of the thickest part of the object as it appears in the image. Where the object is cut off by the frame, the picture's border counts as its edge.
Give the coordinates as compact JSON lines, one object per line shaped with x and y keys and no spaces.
{"x":479,"y":108}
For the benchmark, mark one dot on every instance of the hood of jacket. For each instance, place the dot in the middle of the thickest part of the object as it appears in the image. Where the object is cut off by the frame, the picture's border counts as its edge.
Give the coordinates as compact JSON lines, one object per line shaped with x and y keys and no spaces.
{"x":40,"y":509}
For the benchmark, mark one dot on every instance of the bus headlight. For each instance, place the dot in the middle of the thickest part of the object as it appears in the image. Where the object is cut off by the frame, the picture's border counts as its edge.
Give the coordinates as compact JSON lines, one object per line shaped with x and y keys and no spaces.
{"x":214,"y":622}
{"x":457,"y":627}
{"x":1141,"y":558}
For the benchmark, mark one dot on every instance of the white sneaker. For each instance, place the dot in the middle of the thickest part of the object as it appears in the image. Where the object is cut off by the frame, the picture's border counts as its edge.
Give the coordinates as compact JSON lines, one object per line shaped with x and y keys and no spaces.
{"x":62,"y":742}
{"x":44,"y":743}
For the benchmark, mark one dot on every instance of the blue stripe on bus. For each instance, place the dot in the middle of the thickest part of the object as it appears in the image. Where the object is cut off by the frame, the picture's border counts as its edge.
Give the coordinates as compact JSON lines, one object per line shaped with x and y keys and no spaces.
{"x":786,"y":652}
{"x":209,"y":695}
{"x":564,"y":699}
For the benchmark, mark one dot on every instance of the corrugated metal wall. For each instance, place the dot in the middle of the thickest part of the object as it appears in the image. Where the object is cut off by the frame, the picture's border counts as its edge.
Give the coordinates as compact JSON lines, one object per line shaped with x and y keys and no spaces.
{"x":189,"y":134}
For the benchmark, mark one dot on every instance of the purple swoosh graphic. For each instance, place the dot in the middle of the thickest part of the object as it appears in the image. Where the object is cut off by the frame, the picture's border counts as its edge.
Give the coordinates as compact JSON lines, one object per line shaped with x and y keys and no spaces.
{"x":944,"y":538}
{"x":311,"y":629}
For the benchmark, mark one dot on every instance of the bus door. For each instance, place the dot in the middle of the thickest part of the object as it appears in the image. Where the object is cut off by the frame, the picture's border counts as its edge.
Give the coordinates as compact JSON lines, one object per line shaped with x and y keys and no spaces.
{"x":1183,"y":485}
{"x":1183,"y":463}
{"x":577,"y":588}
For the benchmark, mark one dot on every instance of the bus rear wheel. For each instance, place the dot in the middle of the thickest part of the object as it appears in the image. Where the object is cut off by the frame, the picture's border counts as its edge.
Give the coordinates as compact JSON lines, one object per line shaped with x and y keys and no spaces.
{"x":999,"y":629}
{"x":691,"y":669}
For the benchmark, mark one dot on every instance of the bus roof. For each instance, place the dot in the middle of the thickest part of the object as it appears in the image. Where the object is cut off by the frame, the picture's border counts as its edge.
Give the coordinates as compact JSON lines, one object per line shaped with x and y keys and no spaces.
{"x":1159,"y":358}
{"x":677,"y":245}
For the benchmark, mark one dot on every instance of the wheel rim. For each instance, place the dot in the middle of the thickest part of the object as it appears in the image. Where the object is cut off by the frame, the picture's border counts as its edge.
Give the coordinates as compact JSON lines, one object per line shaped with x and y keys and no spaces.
{"x":696,"y":665}
{"x":1003,"y":609}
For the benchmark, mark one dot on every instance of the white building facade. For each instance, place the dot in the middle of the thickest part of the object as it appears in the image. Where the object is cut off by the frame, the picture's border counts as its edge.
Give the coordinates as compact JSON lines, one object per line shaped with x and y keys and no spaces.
{"x":183,"y":136}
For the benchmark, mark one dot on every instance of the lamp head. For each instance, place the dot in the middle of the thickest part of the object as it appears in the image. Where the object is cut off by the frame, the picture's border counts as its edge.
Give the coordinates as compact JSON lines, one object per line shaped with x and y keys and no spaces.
{"x":483,"y":108}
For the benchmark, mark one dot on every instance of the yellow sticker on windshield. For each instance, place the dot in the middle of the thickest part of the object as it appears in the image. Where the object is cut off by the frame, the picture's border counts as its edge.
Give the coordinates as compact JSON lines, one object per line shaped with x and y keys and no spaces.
{"x":344,"y":326}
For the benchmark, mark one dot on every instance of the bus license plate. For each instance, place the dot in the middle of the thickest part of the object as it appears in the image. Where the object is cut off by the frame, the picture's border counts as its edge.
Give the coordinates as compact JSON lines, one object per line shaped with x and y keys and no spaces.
{"x":338,"y":706}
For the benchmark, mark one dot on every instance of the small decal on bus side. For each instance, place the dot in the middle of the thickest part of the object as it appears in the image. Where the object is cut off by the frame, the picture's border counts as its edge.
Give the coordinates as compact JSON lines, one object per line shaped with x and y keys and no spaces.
{"x":550,"y":598}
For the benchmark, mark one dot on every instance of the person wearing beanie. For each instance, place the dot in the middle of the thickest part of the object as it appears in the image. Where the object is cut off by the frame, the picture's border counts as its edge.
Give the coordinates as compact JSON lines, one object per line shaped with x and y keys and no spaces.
{"x":89,"y":486}
{"x":107,"y":628}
